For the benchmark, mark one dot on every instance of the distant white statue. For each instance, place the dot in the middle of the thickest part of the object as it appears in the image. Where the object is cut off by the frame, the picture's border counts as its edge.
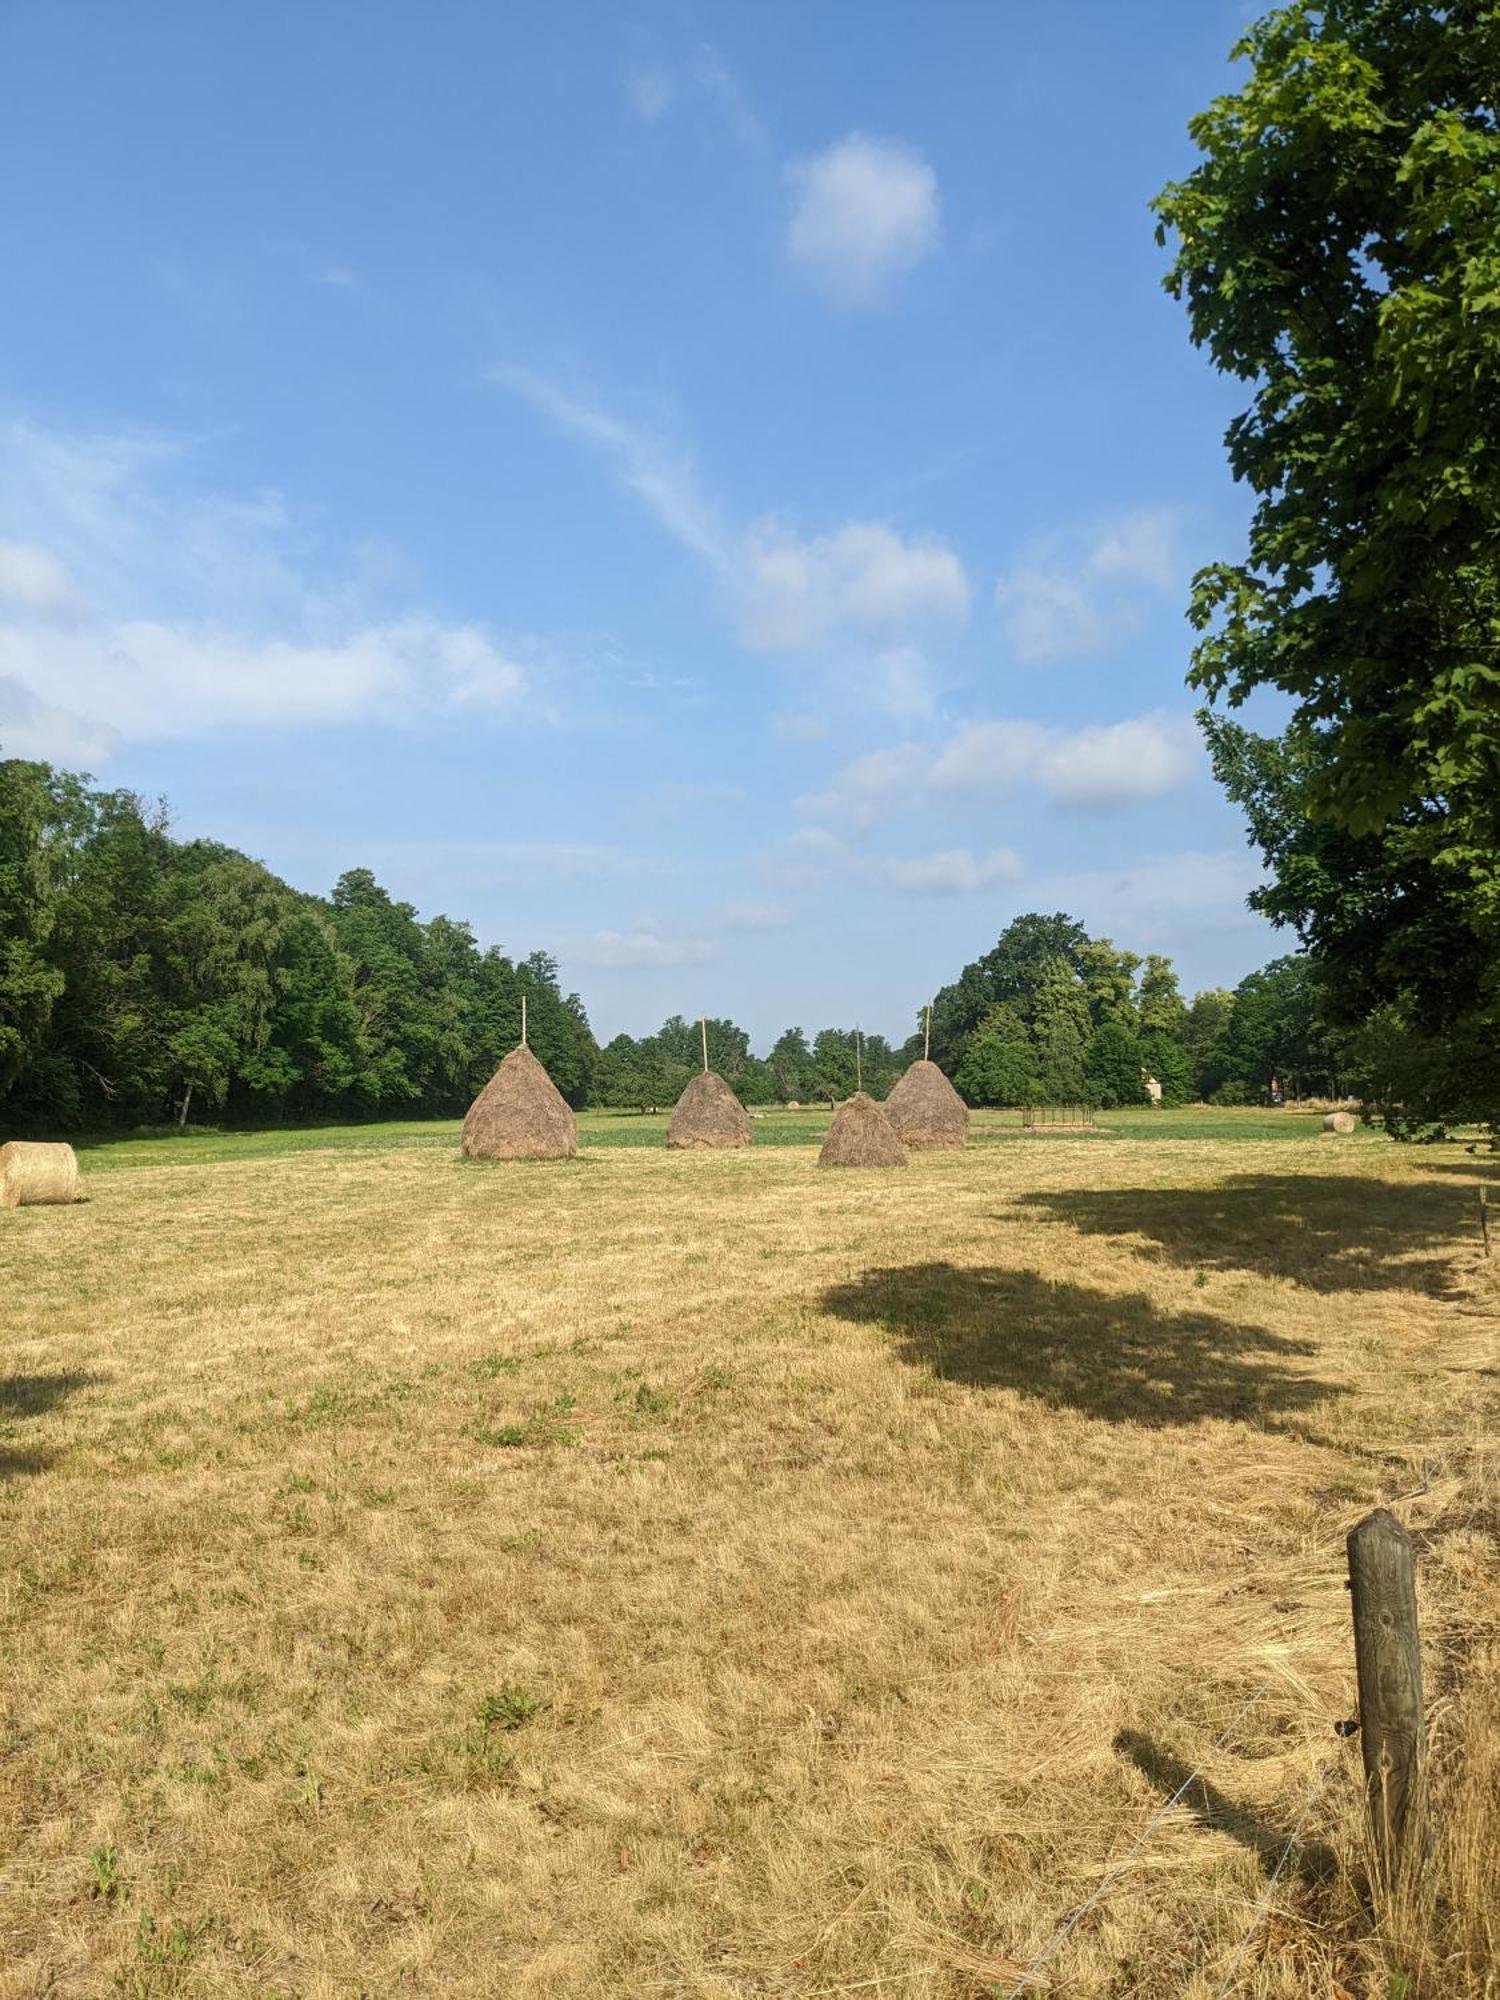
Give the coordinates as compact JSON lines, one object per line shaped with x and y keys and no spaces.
{"x":1153,"y":1090}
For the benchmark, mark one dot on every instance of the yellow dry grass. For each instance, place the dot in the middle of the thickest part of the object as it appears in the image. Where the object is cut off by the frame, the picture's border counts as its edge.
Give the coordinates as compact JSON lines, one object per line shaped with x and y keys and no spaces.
{"x":703,"y":1576}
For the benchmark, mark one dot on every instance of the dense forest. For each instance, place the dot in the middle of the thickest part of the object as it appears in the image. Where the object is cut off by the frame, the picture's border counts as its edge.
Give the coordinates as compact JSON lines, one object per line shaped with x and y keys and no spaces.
{"x":146,"y":980}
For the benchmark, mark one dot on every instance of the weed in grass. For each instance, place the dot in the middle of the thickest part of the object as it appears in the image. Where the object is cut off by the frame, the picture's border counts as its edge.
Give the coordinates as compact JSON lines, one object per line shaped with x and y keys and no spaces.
{"x":514,"y":1545}
{"x":542,"y":1427}
{"x":651,"y":1402}
{"x":104,"y":1864}
{"x":170,"y":1947}
{"x":489,"y":1366}
{"x":510,"y":1707}
{"x":506,"y":1436}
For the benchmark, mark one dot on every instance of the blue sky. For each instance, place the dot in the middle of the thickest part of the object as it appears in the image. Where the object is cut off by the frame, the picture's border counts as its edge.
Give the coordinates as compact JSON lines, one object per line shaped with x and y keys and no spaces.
{"x":706,"y":490}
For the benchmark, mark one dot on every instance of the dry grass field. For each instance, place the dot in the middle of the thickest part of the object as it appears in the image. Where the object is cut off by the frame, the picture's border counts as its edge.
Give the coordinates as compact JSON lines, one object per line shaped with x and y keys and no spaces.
{"x":709,"y":1576}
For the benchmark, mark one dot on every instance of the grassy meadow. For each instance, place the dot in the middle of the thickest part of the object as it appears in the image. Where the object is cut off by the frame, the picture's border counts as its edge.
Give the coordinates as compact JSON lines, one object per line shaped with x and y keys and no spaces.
{"x":708,"y":1576}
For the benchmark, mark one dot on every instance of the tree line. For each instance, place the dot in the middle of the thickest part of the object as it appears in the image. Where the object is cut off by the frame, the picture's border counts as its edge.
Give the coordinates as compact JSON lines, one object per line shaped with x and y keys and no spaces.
{"x":146,"y":980}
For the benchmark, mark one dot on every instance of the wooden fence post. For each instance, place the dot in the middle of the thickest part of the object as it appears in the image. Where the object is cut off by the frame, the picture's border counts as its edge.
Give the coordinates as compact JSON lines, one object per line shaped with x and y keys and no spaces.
{"x":1388,"y":1659}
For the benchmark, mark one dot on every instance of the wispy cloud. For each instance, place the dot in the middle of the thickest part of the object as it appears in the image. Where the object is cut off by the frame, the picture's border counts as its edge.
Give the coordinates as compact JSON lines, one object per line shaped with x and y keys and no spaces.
{"x":139,"y":607}
{"x":1069,"y":595}
{"x":628,"y":950}
{"x":815,"y":855}
{"x":1160,"y":900}
{"x":955,"y":871}
{"x":755,"y":916}
{"x":700,"y":80}
{"x":662,"y":477}
{"x":865,"y":213}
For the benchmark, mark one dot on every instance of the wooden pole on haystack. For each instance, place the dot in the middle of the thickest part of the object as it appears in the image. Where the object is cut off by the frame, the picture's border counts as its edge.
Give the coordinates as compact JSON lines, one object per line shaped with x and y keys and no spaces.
{"x":859,"y":1060}
{"x":927,"y":1036}
{"x":703,"y":1024}
{"x":523,"y":1020}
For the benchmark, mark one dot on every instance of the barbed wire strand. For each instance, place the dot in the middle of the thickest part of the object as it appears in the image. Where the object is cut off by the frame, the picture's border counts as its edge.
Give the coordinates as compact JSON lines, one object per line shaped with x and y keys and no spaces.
{"x":1262,"y":1908}
{"x":1071,"y":1922}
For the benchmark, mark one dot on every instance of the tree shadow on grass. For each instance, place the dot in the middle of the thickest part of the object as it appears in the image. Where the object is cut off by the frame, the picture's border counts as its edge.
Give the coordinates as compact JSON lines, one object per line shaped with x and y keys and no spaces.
{"x":1330,"y":1232}
{"x":1216,"y":1813}
{"x":1113,"y":1355}
{"x":33,"y":1396}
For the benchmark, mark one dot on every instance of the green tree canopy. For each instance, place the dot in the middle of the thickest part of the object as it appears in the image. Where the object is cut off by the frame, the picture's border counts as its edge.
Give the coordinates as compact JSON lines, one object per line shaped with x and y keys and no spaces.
{"x":1338,"y":252}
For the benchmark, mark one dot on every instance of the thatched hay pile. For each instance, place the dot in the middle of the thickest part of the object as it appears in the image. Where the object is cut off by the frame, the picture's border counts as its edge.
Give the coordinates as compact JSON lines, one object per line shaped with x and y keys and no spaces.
{"x":34,"y":1173}
{"x":1339,"y":1121}
{"x":926,"y":1111}
{"x":520,"y":1115}
{"x":861,"y":1136}
{"x":708,"y":1114}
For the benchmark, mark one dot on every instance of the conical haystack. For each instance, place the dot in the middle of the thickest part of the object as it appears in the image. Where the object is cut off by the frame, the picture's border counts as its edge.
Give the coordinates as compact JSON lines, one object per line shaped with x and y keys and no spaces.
{"x":709,"y":1114}
{"x":861,"y":1136}
{"x":520,"y":1115}
{"x":926,"y":1110}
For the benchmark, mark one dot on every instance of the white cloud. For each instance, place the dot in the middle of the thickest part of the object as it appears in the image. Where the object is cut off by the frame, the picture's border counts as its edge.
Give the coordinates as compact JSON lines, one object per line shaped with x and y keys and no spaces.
{"x":1072,"y":595}
{"x":900,"y":683}
{"x":865,"y":213}
{"x":34,"y":583}
{"x":145,"y":611}
{"x":31,"y":727}
{"x":753,"y":916}
{"x":1099,"y":768}
{"x":953,"y":872}
{"x":152,"y":679}
{"x":1120,"y":763}
{"x":874,"y":784}
{"x":798,"y":593}
{"x":626,"y":950}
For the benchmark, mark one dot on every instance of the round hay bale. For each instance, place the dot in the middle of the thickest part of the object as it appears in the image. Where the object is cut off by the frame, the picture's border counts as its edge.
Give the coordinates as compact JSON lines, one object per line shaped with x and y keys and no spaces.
{"x":520,"y":1115}
{"x":861,"y":1136}
{"x":926,"y":1111}
{"x":1339,"y":1121}
{"x":708,"y":1114}
{"x":36,"y":1173}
